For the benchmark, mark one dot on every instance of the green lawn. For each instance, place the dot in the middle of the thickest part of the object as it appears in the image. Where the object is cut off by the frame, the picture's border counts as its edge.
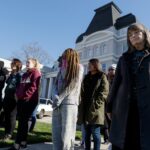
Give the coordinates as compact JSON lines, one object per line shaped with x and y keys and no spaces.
{"x":42,"y":133}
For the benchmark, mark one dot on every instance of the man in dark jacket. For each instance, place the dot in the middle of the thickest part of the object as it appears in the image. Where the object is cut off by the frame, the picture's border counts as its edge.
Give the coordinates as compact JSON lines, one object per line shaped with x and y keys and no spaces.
{"x":107,"y":121}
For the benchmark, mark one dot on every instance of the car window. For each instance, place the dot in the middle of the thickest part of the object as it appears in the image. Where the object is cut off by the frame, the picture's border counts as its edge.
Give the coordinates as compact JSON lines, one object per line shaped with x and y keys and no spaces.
{"x":42,"y":101}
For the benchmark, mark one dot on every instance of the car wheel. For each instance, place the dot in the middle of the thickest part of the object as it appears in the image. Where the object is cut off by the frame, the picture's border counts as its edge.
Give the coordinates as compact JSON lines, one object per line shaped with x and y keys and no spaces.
{"x":41,"y":114}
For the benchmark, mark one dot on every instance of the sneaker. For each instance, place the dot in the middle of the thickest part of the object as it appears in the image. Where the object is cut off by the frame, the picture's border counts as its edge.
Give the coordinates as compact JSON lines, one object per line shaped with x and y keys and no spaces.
{"x":13,"y":148}
{"x":7,"y":137}
{"x":106,"y":142}
{"x":82,"y":145}
{"x":23,"y":147}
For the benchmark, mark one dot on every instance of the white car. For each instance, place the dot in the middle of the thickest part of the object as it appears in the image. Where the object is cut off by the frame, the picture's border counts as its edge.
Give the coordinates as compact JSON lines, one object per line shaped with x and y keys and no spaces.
{"x":44,"y":108}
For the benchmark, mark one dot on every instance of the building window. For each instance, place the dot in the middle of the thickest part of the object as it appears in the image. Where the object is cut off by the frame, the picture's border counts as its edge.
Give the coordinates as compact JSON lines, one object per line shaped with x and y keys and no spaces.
{"x":125,"y":46}
{"x":80,"y":55}
{"x":85,"y":69}
{"x":85,"y":53}
{"x":104,"y":67}
{"x":89,"y":52}
{"x":96,"y":50}
{"x":104,"y":49}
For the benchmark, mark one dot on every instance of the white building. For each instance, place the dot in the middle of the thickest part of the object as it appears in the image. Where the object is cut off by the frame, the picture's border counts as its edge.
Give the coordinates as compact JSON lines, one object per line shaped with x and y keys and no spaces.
{"x":6,"y":63}
{"x":105,"y":39}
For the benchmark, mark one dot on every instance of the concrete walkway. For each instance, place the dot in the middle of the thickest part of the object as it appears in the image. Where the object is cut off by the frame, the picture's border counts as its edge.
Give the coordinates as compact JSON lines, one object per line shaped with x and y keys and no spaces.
{"x":48,"y":146}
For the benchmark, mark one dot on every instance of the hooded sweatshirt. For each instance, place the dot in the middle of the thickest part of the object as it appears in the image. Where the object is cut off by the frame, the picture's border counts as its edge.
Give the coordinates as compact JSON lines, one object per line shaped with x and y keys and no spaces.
{"x":28,"y":88}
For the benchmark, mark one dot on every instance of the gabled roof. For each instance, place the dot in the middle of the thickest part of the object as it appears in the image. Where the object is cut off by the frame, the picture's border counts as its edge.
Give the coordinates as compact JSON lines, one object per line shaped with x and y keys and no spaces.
{"x":125,"y":21}
{"x":105,"y":17}
{"x":107,"y":6}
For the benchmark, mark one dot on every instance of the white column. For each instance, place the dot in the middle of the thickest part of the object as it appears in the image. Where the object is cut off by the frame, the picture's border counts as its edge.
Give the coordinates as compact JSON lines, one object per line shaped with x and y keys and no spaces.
{"x":50,"y":87}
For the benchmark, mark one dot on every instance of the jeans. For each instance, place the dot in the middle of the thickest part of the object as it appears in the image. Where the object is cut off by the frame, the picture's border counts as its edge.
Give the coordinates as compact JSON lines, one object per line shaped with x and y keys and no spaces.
{"x":95,"y":131}
{"x":32,"y":120}
{"x":83,"y":134}
{"x":10,"y":112}
{"x":25,"y":110}
{"x":1,"y":103}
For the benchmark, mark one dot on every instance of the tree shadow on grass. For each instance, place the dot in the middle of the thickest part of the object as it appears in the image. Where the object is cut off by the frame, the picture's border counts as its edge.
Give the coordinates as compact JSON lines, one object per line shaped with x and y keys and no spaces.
{"x":33,"y":137}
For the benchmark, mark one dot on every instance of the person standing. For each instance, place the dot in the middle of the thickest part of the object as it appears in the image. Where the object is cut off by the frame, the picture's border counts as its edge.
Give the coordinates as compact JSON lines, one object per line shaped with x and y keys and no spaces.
{"x":65,"y":101}
{"x":107,"y":121}
{"x":111,"y":74}
{"x":27,"y":95}
{"x":129,"y":99}
{"x":9,"y":103}
{"x":2,"y":82}
{"x":94,"y":93}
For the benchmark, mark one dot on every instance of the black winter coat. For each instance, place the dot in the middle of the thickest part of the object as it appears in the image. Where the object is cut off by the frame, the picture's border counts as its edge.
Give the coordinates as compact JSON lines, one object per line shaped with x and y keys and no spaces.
{"x":2,"y":81}
{"x":120,"y":96}
{"x":91,"y":107}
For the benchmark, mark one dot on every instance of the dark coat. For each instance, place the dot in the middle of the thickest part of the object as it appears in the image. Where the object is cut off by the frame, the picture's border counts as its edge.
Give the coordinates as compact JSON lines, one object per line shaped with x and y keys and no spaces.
{"x":2,"y":81}
{"x":120,"y":96}
{"x":12,"y":82}
{"x":91,"y":111}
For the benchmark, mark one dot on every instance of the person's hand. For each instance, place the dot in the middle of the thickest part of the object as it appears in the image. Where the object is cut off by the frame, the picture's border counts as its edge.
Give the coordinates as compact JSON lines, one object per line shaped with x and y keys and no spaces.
{"x":54,"y":105}
{"x":16,"y":98}
{"x":26,"y":99}
{"x":56,"y":102}
{"x":109,"y":115}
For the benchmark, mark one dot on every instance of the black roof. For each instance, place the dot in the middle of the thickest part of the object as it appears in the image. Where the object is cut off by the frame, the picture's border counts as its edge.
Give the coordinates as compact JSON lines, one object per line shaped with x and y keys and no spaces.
{"x":105,"y":17}
{"x":107,"y":6}
{"x":125,"y":21}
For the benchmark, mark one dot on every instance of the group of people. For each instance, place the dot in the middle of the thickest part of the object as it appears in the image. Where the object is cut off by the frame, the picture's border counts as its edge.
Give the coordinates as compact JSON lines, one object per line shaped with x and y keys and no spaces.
{"x":123,"y":98}
{"x":78,"y":99}
{"x":21,"y":96}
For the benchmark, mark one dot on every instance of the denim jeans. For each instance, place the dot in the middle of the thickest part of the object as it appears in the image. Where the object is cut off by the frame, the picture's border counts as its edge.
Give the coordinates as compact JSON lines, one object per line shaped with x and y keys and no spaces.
{"x":24,"y":110}
{"x":83,"y":134}
{"x":10,"y":112}
{"x":93,"y":130}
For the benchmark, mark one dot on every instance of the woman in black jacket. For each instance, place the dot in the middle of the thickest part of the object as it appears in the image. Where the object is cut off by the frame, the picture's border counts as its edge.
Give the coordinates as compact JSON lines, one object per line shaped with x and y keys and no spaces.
{"x":3,"y":73}
{"x":129,"y":99}
{"x":10,"y":105}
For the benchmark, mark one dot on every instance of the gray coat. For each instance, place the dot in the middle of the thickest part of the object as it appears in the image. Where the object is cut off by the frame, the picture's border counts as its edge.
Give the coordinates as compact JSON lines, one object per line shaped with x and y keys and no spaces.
{"x":120,"y":96}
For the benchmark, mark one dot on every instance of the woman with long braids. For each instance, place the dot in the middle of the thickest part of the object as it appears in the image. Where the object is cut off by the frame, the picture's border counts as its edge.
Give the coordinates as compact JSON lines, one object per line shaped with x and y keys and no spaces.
{"x":65,"y":100}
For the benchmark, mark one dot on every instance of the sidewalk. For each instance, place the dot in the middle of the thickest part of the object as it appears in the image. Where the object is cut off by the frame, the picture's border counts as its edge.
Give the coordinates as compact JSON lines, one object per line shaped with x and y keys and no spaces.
{"x":48,"y":146}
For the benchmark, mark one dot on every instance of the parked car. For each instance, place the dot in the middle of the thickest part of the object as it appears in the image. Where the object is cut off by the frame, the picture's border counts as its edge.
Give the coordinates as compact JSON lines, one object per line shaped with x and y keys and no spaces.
{"x":44,"y":108}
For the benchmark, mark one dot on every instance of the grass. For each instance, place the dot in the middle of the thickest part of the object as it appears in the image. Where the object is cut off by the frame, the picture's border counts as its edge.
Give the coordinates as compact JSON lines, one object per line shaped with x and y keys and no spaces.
{"x":41,"y":133}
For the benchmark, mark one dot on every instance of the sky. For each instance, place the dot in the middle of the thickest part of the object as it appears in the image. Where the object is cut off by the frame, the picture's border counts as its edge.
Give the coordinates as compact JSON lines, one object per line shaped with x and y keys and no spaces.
{"x":54,"y":24}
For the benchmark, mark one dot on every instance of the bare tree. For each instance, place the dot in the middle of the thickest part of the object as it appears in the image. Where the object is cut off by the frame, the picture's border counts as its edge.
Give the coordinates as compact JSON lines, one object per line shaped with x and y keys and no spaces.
{"x":33,"y":50}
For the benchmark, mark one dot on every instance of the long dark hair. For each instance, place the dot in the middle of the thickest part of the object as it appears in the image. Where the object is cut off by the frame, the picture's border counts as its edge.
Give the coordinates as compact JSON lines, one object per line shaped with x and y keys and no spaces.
{"x":17,"y":62}
{"x":144,"y":30}
{"x":72,"y":58}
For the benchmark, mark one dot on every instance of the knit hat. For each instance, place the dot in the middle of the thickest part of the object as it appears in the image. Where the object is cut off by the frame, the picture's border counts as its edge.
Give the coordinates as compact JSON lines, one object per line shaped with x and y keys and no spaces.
{"x":113,"y":66}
